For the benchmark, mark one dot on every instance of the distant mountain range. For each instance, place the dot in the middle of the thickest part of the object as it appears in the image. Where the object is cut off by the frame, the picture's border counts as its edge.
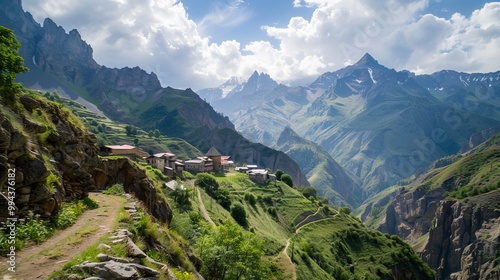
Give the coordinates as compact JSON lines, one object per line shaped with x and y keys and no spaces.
{"x":380,"y":124}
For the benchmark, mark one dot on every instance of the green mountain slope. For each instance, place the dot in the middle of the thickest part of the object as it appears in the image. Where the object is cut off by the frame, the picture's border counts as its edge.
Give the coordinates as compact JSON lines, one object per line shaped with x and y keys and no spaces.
{"x":448,"y":213}
{"x":324,"y":243}
{"x":331,"y":180}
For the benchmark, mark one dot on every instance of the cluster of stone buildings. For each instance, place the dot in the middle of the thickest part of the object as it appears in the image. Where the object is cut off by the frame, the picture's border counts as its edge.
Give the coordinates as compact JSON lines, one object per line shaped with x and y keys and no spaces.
{"x":213,"y":161}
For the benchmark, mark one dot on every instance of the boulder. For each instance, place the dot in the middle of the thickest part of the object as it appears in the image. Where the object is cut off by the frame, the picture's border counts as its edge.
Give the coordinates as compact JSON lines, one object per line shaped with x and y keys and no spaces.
{"x":29,"y":103}
{"x":34,"y":127}
{"x":133,"y":251}
{"x":110,"y":270}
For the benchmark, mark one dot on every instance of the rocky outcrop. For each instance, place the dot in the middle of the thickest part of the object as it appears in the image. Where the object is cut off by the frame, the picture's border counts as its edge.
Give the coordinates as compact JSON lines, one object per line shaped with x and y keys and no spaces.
{"x":64,"y":55}
{"x":32,"y":150}
{"x":477,"y":139}
{"x":464,"y":239}
{"x":410,"y":214}
{"x":135,"y":181}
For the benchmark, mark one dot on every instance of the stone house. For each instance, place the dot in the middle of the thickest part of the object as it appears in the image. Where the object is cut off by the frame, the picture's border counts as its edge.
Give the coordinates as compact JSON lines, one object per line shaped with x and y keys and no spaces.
{"x":167,"y":163}
{"x":258,"y":175}
{"x":199,"y":164}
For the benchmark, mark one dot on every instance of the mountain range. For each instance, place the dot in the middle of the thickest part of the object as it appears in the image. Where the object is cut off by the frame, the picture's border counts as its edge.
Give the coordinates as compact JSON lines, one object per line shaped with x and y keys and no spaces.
{"x":380,"y":124}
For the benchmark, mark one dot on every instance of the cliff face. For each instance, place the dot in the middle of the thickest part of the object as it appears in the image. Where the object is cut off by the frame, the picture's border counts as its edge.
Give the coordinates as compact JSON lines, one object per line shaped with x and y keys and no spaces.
{"x":464,"y":240}
{"x":76,"y":65}
{"x":410,"y":214}
{"x":464,"y":237}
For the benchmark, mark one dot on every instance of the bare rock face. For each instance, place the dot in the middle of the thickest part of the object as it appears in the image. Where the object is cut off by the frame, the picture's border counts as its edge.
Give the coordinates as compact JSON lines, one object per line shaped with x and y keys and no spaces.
{"x":410,"y":214}
{"x":464,"y":240}
{"x":76,"y":65}
{"x":134,"y":181}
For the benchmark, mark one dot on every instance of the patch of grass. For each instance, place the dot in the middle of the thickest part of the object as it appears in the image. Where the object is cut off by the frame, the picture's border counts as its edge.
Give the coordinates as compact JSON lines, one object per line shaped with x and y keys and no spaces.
{"x":52,"y":253}
{"x":116,"y":189}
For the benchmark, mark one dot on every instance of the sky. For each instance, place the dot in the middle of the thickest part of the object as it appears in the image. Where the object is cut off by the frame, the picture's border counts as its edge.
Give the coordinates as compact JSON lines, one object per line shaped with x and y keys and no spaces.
{"x":202,"y":43}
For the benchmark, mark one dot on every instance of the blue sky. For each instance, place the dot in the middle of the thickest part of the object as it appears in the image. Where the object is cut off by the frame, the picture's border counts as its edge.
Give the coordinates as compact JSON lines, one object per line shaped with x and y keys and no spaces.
{"x":202,"y":43}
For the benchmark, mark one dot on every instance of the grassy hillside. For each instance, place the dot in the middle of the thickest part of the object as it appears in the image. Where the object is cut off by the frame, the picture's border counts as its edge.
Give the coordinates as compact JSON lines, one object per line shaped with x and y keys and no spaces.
{"x":323,"y":242}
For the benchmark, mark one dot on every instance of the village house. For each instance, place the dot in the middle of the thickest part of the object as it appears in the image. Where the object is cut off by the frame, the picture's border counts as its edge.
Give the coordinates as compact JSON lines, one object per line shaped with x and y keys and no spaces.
{"x":258,"y":175}
{"x":227,"y":162}
{"x":122,"y":150}
{"x":199,"y":164}
{"x":167,"y":163}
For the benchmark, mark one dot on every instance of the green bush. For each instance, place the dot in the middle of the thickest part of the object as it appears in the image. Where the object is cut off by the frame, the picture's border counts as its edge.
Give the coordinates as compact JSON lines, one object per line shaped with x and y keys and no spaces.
{"x":90,"y":203}
{"x":239,"y":214}
{"x":116,"y":189}
{"x":35,"y":229}
{"x":345,"y":210}
{"x":208,"y":182}
{"x":68,"y":214}
{"x":287,"y":179}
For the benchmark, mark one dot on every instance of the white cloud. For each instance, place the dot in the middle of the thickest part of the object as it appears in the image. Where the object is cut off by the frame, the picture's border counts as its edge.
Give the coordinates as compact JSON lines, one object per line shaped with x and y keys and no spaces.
{"x":160,"y":36}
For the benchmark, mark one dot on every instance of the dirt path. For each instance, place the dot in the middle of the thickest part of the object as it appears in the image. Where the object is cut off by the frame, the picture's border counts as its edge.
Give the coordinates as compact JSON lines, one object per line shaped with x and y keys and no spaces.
{"x":203,"y":209}
{"x":39,"y":261}
{"x":285,"y":250}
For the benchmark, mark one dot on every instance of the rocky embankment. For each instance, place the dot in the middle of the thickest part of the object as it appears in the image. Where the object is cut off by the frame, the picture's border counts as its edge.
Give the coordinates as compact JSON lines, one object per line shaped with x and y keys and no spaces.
{"x":33,"y":151}
{"x":53,"y":159}
{"x":464,"y":239}
{"x":135,"y":181}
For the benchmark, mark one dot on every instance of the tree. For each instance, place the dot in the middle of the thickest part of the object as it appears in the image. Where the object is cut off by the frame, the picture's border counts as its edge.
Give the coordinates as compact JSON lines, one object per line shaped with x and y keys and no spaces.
{"x":136,"y":141}
{"x":11,"y":63}
{"x":224,"y":197}
{"x":345,"y":210}
{"x":150,"y":134}
{"x":278,"y":174}
{"x":228,"y":252}
{"x":181,"y":196}
{"x":287,"y":179}
{"x":239,"y":214}
{"x":309,"y":191}
{"x":208,"y":182}
{"x":156,"y":133}
{"x":128,"y":130}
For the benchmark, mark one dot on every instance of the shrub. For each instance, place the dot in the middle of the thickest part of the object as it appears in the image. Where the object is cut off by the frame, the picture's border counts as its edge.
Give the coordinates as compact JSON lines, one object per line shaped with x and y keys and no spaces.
{"x":239,"y":214}
{"x":287,"y":179}
{"x":116,"y":189}
{"x":208,"y":182}
{"x":278,"y":174}
{"x":309,"y":191}
{"x":345,"y":210}
{"x":90,"y":203}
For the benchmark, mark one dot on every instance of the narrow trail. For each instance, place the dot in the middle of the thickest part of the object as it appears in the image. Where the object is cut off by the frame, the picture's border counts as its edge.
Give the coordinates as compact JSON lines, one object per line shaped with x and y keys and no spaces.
{"x":203,"y":209}
{"x":285,"y":250}
{"x":39,"y":261}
